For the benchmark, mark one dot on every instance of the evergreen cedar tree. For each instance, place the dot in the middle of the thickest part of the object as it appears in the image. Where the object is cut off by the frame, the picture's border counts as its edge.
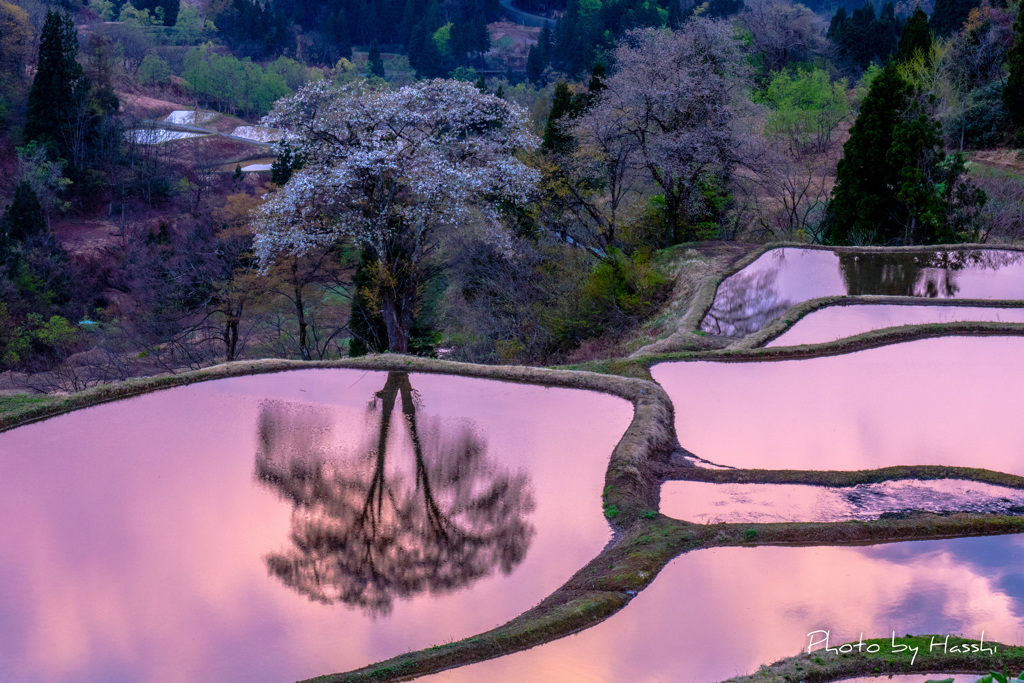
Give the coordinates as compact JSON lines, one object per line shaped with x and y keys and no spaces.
{"x":894,"y":184}
{"x":917,"y":37}
{"x":864,"y":37}
{"x":949,"y":15}
{"x":51,"y":98}
{"x":374,"y":63}
{"x":1013,"y":93}
{"x":566,"y":106}
{"x":22,"y":219}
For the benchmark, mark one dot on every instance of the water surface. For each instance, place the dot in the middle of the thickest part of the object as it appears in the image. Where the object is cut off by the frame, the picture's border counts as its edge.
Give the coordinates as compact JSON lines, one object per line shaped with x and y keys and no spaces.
{"x":714,"y":614}
{"x":750,"y":299}
{"x":837,"y":322}
{"x":277,"y":527}
{"x":738,"y":503}
{"x":948,"y":401}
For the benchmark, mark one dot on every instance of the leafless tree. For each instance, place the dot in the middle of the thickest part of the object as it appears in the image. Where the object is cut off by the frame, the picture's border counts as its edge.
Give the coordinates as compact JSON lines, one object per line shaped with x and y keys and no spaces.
{"x":783,"y":32}
{"x":673,"y":95}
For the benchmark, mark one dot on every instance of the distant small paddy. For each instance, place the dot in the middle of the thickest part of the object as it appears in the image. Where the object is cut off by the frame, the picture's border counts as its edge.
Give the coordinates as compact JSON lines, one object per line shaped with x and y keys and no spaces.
{"x":747,"y":503}
{"x":780,"y":278}
{"x":836,"y":322}
{"x":949,"y":401}
{"x":715,"y":614}
{"x":276,"y":527}
{"x":155,"y":136}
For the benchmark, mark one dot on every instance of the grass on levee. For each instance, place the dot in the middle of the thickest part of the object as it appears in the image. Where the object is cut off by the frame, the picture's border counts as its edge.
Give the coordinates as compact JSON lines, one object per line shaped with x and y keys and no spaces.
{"x":11,"y":403}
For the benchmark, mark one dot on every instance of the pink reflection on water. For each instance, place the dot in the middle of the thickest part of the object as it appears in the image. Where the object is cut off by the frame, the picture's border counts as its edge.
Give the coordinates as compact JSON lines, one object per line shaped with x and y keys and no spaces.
{"x":780,"y":278}
{"x":745,"y":503}
{"x":714,"y":614}
{"x":949,"y":401}
{"x":135,"y":536}
{"x":837,"y":322}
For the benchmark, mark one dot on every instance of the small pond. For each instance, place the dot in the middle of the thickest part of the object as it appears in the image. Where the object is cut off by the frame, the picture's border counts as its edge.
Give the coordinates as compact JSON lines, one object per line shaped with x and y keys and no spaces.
{"x":715,"y":614}
{"x":836,"y":322}
{"x":781,"y":278}
{"x":276,"y":527}
{"x":948,"y":401}
{"x":694,"y":501}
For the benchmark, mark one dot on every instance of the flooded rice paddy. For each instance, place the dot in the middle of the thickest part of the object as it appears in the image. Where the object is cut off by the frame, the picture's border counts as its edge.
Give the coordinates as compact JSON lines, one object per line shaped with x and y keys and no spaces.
{"x":781,"y":278}
{"x":718,"y":613}
{"x":276,"y":527}
{"x":949,"y":401}
{"x":836,"y":322}
{"x":747,"y":503}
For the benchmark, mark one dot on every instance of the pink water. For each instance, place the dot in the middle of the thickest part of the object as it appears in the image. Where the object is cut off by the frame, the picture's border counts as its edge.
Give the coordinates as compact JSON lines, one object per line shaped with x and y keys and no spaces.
{"x":780,"y":278}
{"x":714,"y":614}
{"x":135,"y":536}
{"x":948,"y":401}
{"x":745,"y":503}
{"x":836,"y":322}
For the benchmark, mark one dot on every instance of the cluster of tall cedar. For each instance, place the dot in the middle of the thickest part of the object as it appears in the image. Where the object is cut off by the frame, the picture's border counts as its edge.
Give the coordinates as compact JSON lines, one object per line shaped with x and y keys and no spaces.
{"x":65,"y":110}
{"x":436,"y":47}
{"x":895,"y":184}
{"x":436,"y":41}
{"x":589,"y":28}
{"x":864,"y":36}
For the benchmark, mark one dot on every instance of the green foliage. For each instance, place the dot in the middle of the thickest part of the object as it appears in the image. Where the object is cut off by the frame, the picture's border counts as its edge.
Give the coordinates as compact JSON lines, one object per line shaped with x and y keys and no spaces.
{"x":895,"y":184}
{"x":103,"y":8}
{"x":805,"y":107}
{"x":191,"y":28}
{"x":1013,"y":93}
{"x":611,"y":510}
{"x":153,"y":70}
{"x":141,"y":18}
{"x":916,"y":37}
{"x":238,"y":84}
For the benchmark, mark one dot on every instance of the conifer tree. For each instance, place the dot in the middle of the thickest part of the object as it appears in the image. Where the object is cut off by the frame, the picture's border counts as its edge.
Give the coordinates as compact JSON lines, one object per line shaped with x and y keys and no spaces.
{"x":895,"y":184}
{"x":555,"y":140}
{"x":22,"y":219}
{"x":1013,"y":92}
{"x":862,"y":202}
{"x":374,"y":63}
{"x":916,"y":37}
{"x":949,"y":15}
{"x":51,"y":100}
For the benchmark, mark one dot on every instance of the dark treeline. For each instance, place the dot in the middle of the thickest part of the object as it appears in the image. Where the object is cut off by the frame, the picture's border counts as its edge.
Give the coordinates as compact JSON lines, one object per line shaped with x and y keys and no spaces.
{"x":437,"y":37}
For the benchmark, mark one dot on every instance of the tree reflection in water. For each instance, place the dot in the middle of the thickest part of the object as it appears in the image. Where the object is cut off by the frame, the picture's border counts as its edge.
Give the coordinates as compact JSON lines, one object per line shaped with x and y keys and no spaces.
{"x":927,"y":275}
{"x":366,"y":529}
{"x":747,"y":301}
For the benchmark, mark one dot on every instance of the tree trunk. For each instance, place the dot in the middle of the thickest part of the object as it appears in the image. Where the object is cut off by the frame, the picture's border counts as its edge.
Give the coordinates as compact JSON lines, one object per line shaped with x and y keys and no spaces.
{"x":394,"y":321}
{"x":300,"y":312}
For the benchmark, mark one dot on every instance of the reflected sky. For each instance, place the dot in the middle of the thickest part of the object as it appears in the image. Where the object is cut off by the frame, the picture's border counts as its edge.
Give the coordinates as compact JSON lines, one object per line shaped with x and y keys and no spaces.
{"x":836,"y":322}
{"x":750,"y":299}
{"x":948,"y":401}
{"x":714,"y":614}
{"x":703,"y":502}
{"x":136,"y":535}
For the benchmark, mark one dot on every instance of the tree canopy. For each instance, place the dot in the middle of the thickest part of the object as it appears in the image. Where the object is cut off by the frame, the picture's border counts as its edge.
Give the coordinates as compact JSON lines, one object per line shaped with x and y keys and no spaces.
{"x":394,"y":171}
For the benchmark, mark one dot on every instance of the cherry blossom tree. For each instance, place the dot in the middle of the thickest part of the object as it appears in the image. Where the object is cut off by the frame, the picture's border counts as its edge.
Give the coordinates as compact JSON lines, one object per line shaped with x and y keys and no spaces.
{"x":394,"y":170}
